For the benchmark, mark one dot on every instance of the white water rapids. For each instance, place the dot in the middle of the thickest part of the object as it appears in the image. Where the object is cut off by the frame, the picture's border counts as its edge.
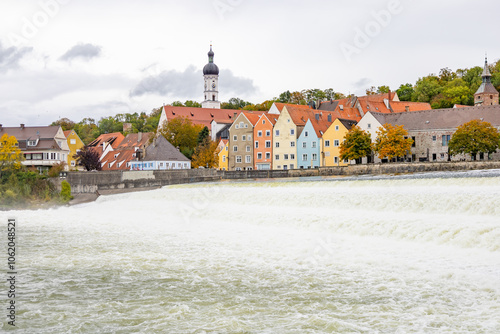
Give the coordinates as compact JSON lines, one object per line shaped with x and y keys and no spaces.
{"x":389,"y":255}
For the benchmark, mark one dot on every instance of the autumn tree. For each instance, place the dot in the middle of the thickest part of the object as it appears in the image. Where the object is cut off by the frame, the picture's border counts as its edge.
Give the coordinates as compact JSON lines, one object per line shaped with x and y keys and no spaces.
{"x":64,"y":123}
{"x":357,"y":144}
{"x":474,"y":137}
{"x":181,"y":133}
{"x":10,"y":154}
{"x":88,"y":158}
{"x":206,"y":155}
{"x":391,"y":142}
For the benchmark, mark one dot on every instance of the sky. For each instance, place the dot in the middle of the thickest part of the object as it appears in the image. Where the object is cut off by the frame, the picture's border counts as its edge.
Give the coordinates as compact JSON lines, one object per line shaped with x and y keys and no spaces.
{"x":93,"y":59}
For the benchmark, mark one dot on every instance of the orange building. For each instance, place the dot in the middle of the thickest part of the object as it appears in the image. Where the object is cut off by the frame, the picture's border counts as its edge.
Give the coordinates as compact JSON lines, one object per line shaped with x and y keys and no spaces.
{"x":263,"y":142}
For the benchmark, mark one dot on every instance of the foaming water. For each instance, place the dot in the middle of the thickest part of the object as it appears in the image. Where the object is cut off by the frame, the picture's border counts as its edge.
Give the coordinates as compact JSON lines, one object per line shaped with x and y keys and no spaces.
{"x":364,"y":255}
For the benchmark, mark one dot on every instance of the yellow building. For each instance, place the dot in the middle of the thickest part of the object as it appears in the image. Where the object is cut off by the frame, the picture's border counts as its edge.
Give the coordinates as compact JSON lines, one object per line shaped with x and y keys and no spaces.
{"x":75,"y":144}
{"x":332,"y":138}
{"x":223,"y":152}
{"x":285,"y":137}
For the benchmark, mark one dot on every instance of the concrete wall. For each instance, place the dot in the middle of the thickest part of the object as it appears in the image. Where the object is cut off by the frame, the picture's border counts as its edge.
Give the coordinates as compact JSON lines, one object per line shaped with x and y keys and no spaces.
{"x":123,"y":181}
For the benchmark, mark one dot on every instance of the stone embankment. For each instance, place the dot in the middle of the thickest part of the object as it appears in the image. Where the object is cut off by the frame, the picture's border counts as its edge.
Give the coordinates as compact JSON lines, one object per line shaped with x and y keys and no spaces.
{"x":86,"y":186}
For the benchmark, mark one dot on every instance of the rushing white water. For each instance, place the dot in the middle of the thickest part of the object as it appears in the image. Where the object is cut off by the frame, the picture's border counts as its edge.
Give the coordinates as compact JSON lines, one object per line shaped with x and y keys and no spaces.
{"x":374,"y":255}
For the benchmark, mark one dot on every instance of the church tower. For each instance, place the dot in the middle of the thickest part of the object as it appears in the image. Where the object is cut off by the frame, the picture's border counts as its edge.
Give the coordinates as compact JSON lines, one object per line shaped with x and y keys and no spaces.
{"x":211,"y":78}
{"x":486,"y":95}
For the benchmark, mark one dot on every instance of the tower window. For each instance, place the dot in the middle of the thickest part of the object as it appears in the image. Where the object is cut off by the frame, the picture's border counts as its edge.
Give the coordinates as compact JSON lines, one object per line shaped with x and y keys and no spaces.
{"x":213,"y":97}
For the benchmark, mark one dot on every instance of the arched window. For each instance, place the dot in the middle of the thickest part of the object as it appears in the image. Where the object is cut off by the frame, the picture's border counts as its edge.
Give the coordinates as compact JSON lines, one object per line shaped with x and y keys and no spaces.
{"x":213,"y":97}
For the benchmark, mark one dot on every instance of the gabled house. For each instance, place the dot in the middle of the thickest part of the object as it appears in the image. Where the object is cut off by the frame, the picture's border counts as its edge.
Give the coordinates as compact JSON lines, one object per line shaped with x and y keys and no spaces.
{"x":75,"y":144}
{"x":106,"y":142}
{"x":161,"y":155}
{"x":131,"y":148}
{"x":42,"y":146}
{"x":277,"y":107}
{"x":284,"y":140}
{"x":241,"y":141}
{"x":223,"y":152}
{"x":308,"y":147}
{"x":332,"y":138}
{"x":263,"y":141}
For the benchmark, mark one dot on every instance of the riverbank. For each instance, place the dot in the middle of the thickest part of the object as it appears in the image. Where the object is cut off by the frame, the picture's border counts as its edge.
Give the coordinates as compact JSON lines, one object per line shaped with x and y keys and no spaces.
{"x":88,"y":186}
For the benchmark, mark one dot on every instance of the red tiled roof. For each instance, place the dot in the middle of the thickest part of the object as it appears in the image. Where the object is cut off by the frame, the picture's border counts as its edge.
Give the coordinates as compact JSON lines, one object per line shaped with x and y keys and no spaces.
{"x":67,"y":133}
{"x":281,"y":105}
{"x":412,"y":106}
{"x":134,"y":140}
{"x":122,"y":157}
{"x":114,"y":139}
{"x":253,"y":118}
{"x":203,"y":116}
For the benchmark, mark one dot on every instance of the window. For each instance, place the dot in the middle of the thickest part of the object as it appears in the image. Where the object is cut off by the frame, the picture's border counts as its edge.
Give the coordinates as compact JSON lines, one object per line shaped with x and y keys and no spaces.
{"x":268,"y":143}
{"x":329,"y":117}
{"x":291,"y":166}
{"x":292,"y":144}
{"x":285,"y":167}
{"x":306,"y":133}
{"x":246,"y":126}
{"x":238,"y":159}
{"x":314,"y":157}
{"x":313,"y":144}
{"x":31,"y":142}
{"x":236,"y":126}
{"x":442,"y":155}
{"x":52,"y":156}
{"x":243,"y":137}
{"x":223,"y":158}
{"x":285,"y":156}
{"x":433,"y":138}
{"x":292,"y":131}
{"x":263,"y":121}
{"x":72,"y":163}
{"x":446,"y":139}
{"x":235,"y":138}
{"x":336,"y":128}
{"x":304,"y":145}
{"x":277,"y":144}
{"x":225,"y":148}
{"x":256,"y":144}
{"x":259,"y":155}
{"x":248,"y":159}
{"x":304,"y":157}
{"x":248,"y":148}
{"x":414,"y":141}
{"x":268,"y":133}
{"x":277,"y":156}
{"x":238,"y":169}
{"x":369,"y":126}
{"x":241,"y":124}
{"x":268,"y":155}
{"x":336,"y":160}
{"x":346,"y":161}
{"x":292,"y":157}
{"x":277,"y":133}
{"x":249,"y":137}
{"x":327,"y":143}
{"x":259,"y":134}
{"x":72,"y":141}
{"x":235,"y":148}
{"x":336,"y":143}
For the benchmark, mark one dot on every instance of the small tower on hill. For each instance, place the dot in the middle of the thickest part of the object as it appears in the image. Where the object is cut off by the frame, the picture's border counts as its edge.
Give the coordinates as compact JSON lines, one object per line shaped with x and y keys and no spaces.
{"x":486,"y":95}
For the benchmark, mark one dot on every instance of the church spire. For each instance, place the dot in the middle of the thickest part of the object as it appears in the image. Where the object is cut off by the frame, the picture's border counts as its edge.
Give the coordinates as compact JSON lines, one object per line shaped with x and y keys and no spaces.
{"x":486,"y":71}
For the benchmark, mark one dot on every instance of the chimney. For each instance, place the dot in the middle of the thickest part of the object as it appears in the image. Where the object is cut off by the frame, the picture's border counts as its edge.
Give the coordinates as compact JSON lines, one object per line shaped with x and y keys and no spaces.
{"x":389,"y":101}
{"x":22,"y":126}
{"x":139,"y":136}
{"x":235,"y":114}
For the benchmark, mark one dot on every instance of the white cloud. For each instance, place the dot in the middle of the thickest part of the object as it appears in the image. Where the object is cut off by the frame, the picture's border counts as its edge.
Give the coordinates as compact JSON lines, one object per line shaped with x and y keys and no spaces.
{"x":82,"y":51}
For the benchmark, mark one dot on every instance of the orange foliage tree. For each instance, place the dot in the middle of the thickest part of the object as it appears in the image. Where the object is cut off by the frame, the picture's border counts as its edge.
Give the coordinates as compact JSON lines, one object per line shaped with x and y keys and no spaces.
{"x":391,"y":142}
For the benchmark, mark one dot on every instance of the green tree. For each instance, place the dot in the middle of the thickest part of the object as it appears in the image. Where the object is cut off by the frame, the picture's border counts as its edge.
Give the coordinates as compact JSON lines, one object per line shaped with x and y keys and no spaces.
{"x":64,"y":123}
{"x":10,"y":154}
{"x":474,"y":137}
{"x":357,"y":144}
{"x":204,"y":133}
{"x":427,"y":88}
{"x":87,"y":130}
{"x":65,"y":194}
{"x":285,"y":97}
{"x":405,"y":92}
{"x":182,"y":133}
{"x":391,"y":142}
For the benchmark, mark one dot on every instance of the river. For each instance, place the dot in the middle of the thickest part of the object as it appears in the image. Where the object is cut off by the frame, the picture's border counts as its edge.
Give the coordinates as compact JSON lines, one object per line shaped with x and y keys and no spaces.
{"x":417,"y":253}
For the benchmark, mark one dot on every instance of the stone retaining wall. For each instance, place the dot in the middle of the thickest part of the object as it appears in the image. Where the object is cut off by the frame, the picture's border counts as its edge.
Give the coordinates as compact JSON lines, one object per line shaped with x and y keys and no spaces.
{"x":122,"y":181}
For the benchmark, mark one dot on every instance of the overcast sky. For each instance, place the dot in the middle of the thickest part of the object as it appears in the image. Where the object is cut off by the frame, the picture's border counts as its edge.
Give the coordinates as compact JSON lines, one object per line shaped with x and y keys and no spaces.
{"x":77,"y":59}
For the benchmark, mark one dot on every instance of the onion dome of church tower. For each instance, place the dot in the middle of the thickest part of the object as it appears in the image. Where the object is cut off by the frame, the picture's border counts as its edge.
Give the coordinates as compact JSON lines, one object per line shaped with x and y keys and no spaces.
{"x":210,"y":68}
